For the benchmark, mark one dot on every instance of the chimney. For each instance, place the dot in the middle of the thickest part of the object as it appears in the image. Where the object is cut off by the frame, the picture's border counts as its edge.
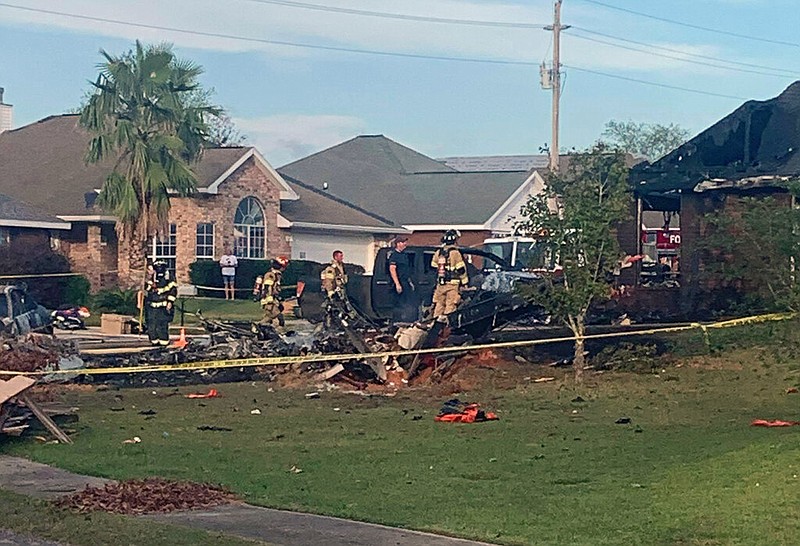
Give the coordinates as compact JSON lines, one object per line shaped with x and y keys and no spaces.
{"x":5,"y":114}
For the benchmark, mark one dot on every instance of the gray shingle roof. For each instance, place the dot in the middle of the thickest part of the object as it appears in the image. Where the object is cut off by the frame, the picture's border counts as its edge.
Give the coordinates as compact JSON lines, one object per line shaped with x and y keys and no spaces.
{"x":317,"y":207}
{"x":404,"y":186}
{"x":43,"y":164}
{"x":14,"y":211}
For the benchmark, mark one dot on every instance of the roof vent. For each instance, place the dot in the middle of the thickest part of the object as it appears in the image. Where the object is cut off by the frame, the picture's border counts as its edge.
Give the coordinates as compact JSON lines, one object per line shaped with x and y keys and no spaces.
{"x":90,"y":197}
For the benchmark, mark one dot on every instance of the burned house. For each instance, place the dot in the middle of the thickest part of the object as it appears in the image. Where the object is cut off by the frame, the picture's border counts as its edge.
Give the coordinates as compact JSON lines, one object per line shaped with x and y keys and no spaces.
{"x":752,"y":152}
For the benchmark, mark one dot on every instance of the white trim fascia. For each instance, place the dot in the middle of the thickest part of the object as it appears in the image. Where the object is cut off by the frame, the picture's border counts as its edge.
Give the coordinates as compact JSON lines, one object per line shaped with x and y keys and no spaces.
{"x":88,"y":218}
{"x":34,"y":224}
{"x":283,"y":222}
{"x":522,"y":188}
{"x":445,"y":227}
{"x":343,"y":227}
{"x":287,"y":193}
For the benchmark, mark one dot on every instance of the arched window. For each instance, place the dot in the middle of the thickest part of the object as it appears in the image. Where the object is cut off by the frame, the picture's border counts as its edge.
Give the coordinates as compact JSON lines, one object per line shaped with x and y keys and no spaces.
{"x":248,"y":229}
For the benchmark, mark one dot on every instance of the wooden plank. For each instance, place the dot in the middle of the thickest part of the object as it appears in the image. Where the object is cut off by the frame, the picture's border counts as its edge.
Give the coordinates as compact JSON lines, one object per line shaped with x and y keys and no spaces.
{"x":14,"y":386}
{"x":331,"y":372}
{"x":45,"y":420}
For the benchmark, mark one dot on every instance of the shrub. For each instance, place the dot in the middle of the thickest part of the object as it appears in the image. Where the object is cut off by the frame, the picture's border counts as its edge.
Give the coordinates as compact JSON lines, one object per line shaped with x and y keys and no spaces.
{"x":116,"y":300}
{"x":76,"y":290}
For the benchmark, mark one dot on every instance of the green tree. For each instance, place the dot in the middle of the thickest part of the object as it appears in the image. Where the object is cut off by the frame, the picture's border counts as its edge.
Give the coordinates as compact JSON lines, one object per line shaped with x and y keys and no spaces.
{"x":575,"y":219}
{"x":651,"y":140}
{"x":148,"y":124}
{"x":751,"y":247}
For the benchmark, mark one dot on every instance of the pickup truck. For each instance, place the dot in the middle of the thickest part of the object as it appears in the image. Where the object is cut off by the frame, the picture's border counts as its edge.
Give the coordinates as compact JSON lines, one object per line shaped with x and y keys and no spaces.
{"x":20,"y":314}
{"x":490,"y":301}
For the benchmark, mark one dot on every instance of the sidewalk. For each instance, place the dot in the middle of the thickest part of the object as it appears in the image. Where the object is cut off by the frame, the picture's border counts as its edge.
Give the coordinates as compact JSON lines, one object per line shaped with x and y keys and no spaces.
{"x":277,"y":527}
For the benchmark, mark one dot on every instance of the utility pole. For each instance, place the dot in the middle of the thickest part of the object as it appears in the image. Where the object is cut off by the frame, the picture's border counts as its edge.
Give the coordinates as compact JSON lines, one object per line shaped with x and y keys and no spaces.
{"x":554,"y":79}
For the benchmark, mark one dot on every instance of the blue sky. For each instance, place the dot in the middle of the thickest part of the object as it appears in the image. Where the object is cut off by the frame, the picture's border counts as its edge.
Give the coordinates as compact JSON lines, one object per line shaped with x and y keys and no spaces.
{"x":291,"y":101}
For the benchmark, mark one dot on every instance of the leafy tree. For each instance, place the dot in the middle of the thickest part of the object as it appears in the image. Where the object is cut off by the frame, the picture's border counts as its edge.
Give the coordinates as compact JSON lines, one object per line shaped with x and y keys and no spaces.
{"x":222,"y":132}
{"x":575,"y":218}
{"x":146,"y":121}
{"x":751,"y":248}
{"x":652,"y":140}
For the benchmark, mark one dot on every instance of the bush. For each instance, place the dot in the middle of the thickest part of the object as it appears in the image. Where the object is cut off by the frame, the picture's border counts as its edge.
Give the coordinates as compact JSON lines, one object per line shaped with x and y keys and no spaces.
{"x":208,"y":273}
{"x":116,"y":300}
{"x":76,"y":290}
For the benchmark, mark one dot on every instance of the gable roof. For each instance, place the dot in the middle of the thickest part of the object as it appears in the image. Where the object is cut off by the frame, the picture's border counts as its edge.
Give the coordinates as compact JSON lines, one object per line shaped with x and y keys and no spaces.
{"x":758,"y":139}
{"x":15,"y":213}
{"x":405,"y":186}
{"x":43,"y":164}
{"x":315,"y":208}
{"x":366,"y":155}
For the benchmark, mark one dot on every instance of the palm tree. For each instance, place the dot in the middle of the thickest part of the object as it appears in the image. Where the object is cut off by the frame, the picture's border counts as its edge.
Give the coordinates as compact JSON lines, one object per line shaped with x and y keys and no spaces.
{"x":144,"y":116}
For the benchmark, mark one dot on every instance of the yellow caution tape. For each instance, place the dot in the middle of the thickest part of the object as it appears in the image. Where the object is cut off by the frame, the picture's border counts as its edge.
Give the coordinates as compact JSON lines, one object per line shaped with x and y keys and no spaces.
{"x":284,"y":360}
{"x":40,"y":275}
{"x":219,"y":289}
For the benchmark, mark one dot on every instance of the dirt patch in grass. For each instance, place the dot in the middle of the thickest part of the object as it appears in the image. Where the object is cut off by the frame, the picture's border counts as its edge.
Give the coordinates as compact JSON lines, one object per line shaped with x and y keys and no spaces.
{"x":151,"y":495}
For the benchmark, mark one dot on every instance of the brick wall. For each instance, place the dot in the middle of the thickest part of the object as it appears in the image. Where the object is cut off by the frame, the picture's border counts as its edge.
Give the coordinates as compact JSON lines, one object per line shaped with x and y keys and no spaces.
{"x":92,"y":251}
{"x":434,"y":238}
{"x":186,"y":212}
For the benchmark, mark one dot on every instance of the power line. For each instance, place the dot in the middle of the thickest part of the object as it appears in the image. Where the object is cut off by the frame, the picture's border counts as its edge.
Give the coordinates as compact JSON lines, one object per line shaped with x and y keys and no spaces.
{"x":682,"y":59}
{"x":400,"y":16}
{"x":673,"y":50}
{"x":272,"y":42}
{"x":696,"y":27}
{"x":654,"y":84}
{"x":521,"y":25}
{"x":353,"y":50}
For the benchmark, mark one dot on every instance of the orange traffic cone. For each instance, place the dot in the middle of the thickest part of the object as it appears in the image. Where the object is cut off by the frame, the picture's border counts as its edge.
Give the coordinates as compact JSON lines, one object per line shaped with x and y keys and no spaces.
{"x":182,"y":342}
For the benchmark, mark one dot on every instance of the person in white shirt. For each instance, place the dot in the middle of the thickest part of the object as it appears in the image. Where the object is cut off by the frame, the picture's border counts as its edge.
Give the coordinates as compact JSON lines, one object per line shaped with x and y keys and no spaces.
{"x":229,"y":263}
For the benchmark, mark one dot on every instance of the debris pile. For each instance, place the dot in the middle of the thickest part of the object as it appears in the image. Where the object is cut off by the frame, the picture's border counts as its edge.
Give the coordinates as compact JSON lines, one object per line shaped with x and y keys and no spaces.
{"x":34,"y":352}
{"x":150,"y":495}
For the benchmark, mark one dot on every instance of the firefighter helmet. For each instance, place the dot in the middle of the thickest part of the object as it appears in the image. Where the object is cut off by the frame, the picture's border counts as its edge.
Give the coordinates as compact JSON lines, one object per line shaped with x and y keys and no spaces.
{"x":450,"y":236}
{"x":280,"y":262}
{"x":160,"y":266}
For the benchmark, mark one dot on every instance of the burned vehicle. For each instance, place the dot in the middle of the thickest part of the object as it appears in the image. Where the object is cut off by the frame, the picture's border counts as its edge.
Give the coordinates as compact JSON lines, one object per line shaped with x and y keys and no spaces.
{"x":20,"y":314}
{"x":489,"y":300}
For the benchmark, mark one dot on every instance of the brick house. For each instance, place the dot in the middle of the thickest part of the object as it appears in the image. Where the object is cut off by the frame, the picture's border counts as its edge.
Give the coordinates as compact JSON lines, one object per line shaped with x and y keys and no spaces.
{"x":750,"y":152}
{"x":241,"y":203}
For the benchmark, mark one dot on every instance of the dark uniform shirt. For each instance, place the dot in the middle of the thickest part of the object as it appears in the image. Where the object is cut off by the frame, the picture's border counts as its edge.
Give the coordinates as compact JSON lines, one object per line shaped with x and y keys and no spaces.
{"x":401,"y":260}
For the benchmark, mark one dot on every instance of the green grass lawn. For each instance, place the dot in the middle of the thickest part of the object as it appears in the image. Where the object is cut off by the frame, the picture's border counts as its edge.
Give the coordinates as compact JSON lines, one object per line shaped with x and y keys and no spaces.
{"x":218,"y":308}
{"x":40,"y":519}
{"x":214,"y":308}
{"x":687,"y":469}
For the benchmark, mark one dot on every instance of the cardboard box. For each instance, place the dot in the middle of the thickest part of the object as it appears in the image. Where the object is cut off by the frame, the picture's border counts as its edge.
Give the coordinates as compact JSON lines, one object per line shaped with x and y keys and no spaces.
{"x":115,"y":324}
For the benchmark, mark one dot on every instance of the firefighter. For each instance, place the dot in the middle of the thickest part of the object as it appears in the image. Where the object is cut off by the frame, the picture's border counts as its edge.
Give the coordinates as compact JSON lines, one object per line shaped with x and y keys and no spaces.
{"x":161,"y":291}
{"x":451,"y":275}
{"x":270,"y":291}
{"x":333,"y":277}
{"x":334,"y":285}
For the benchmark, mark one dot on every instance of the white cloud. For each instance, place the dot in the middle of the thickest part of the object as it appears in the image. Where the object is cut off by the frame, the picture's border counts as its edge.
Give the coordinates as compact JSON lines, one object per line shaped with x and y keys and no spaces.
{"x":284,"y":138}
{"x":261,"y":21}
